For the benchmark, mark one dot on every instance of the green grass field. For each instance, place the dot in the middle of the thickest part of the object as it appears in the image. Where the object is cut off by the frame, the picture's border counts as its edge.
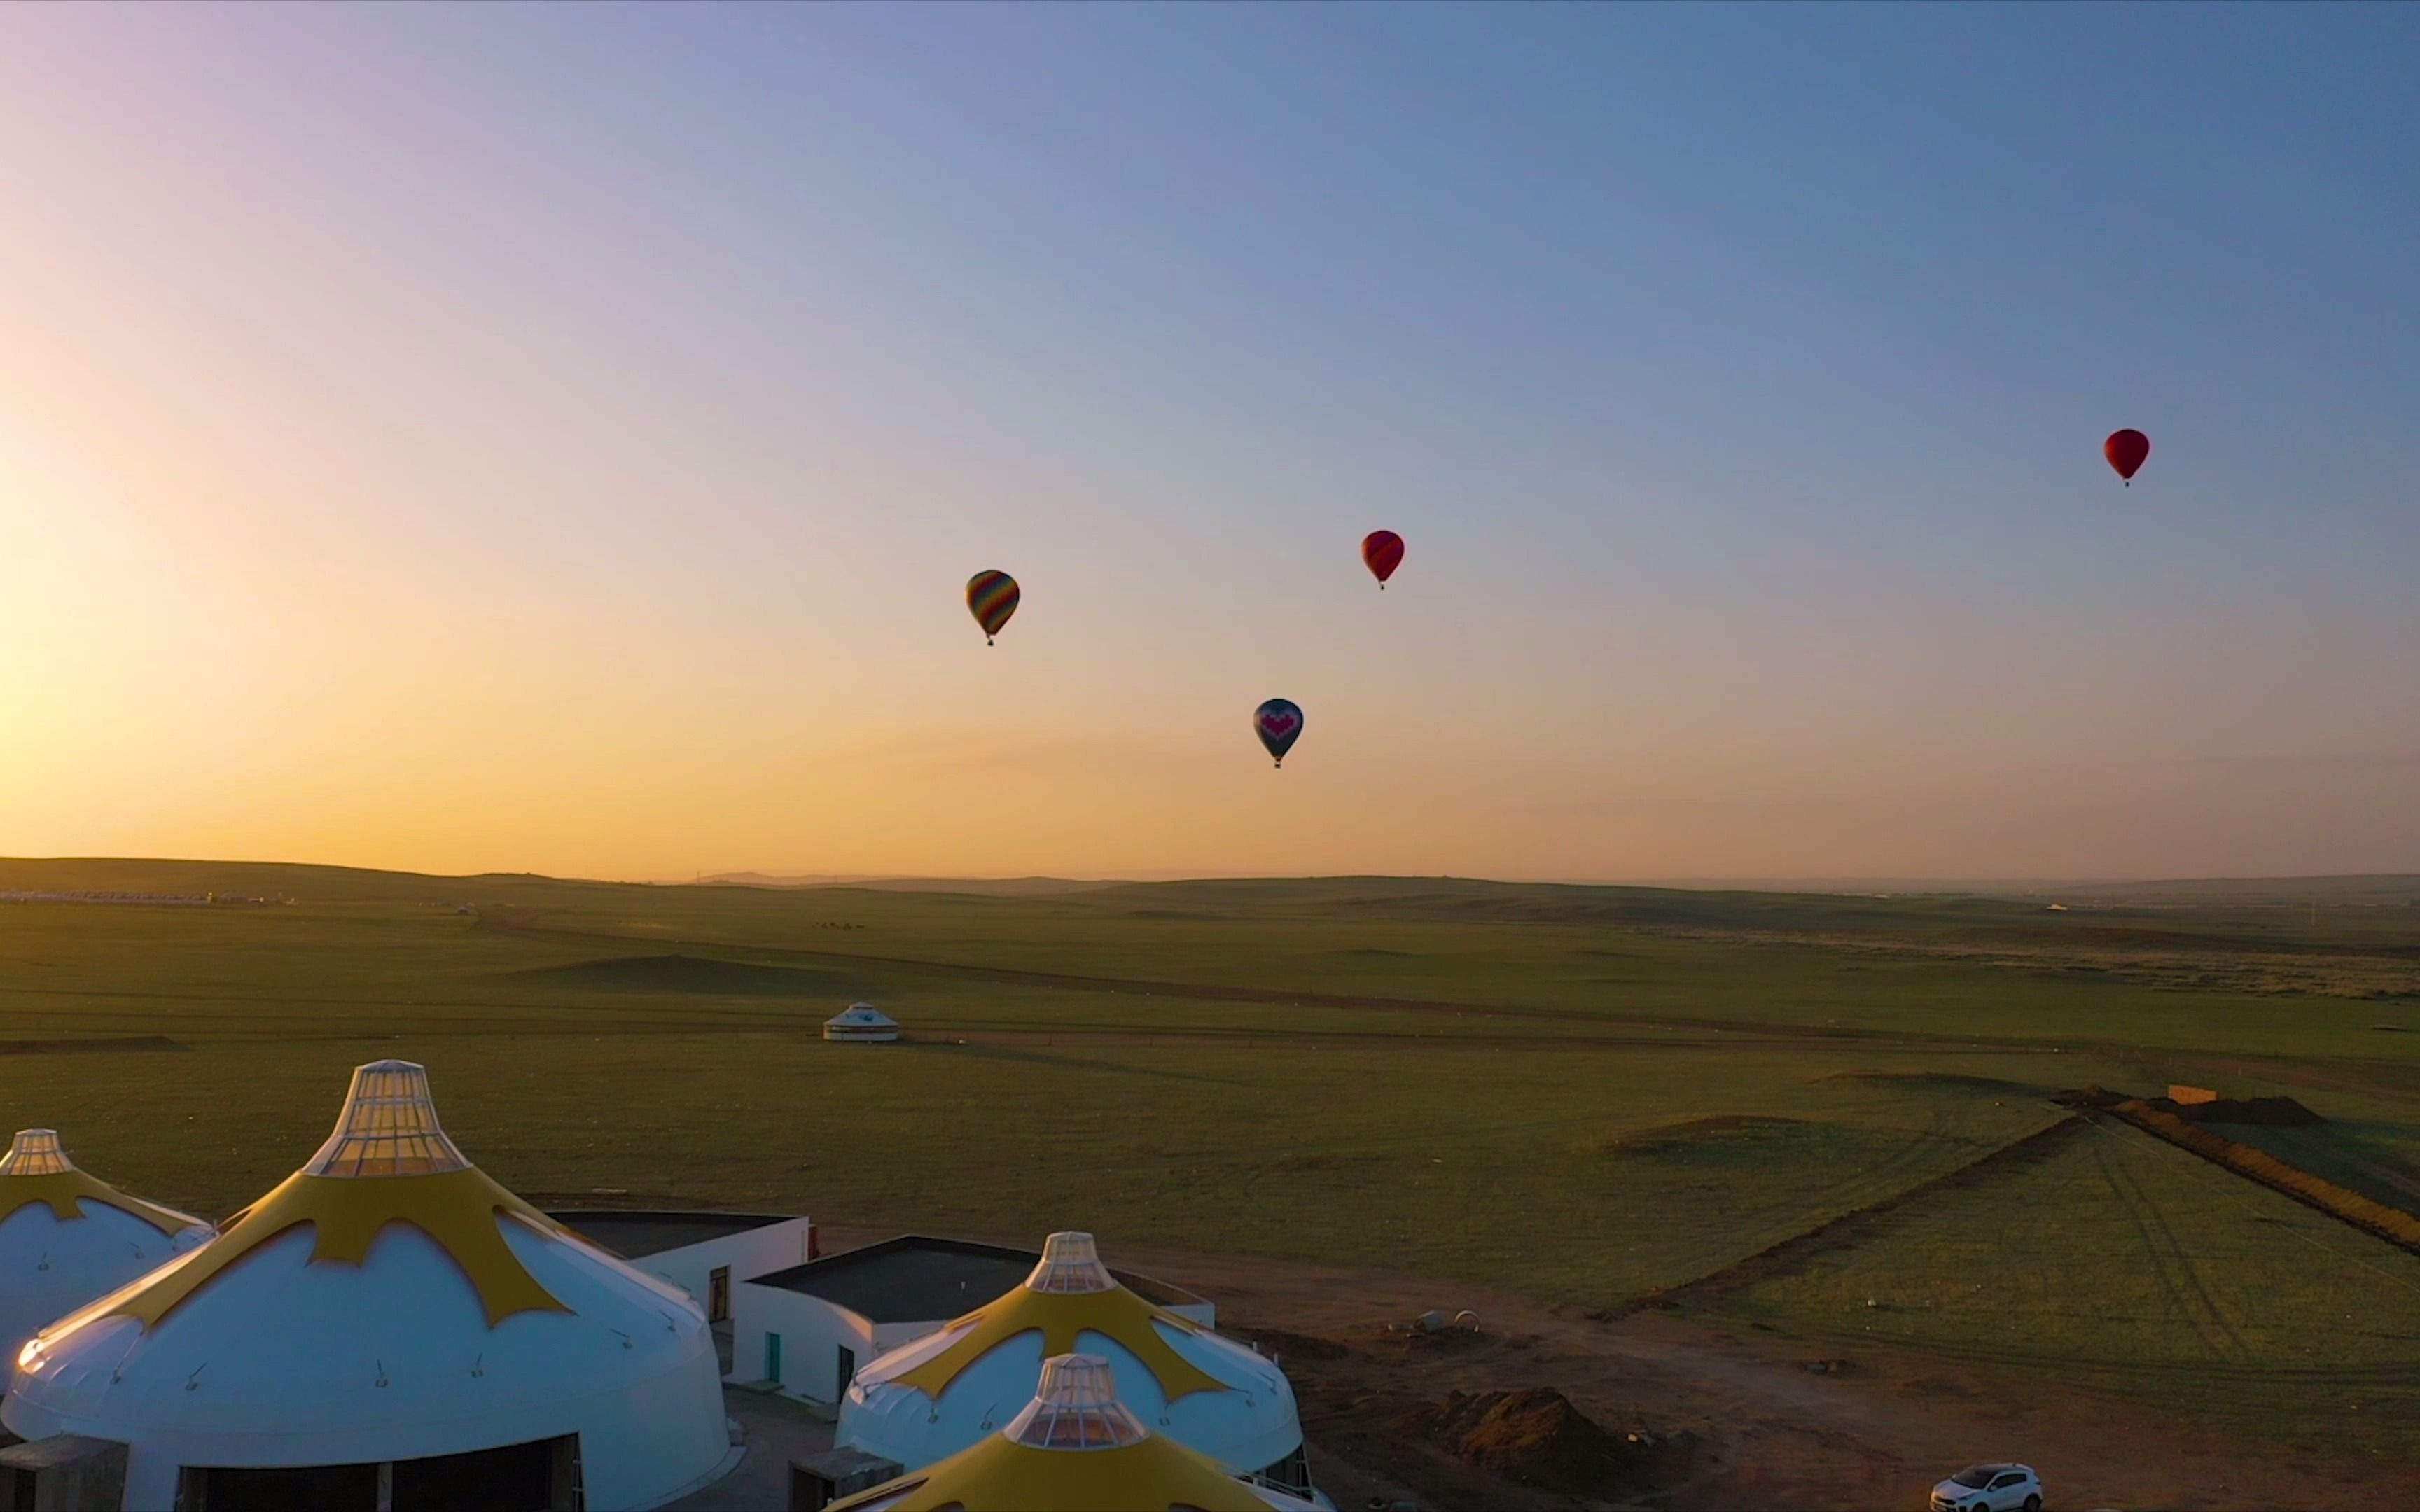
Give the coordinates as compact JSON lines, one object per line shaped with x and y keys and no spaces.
{"x":1586,"y":1094}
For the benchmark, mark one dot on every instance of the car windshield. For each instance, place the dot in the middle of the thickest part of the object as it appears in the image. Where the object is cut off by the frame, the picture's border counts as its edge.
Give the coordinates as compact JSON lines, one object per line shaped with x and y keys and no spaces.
{"x":1978,"y":1477}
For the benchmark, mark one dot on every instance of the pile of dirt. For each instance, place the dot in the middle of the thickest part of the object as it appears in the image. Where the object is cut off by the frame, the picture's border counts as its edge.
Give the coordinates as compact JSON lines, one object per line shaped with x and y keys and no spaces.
{"x":2276,"y":1112}
{"x":1537,"y":1437}
{"x":1279,"y":1344}
{"x":1930,"y":1080}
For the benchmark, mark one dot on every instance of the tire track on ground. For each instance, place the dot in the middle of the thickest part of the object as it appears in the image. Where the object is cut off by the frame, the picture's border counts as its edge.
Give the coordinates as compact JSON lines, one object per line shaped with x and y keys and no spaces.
{"x":1851,"y":1228}
{"x":2166,"y":1260}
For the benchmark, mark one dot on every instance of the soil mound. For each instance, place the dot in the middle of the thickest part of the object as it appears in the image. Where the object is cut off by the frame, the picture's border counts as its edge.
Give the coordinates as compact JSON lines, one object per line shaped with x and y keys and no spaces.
{"x":1277,"y":1342}
{"x":1929,"y":1080}
{"x":703,"y":975}
{"x":1696,"y":1133}
{"x":1536,"y":1436}
{"x":2277,"y":1112}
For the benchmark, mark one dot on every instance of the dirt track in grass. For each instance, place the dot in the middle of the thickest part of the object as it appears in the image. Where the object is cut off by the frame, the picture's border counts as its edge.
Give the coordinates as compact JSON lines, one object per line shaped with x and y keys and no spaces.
{"x":1872,"y":1428}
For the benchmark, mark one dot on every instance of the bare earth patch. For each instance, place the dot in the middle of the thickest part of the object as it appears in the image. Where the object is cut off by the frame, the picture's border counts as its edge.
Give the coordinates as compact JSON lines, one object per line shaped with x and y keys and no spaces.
{"x":1748,"y":1423}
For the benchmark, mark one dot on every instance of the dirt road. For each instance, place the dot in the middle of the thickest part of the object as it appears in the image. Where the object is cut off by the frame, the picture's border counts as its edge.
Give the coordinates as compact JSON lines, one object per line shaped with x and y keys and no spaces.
{"x":1871,"y":1431}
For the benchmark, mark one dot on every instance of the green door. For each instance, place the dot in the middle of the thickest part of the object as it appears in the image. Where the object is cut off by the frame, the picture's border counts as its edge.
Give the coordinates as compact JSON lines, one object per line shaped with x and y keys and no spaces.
{"x":773,"y":1357}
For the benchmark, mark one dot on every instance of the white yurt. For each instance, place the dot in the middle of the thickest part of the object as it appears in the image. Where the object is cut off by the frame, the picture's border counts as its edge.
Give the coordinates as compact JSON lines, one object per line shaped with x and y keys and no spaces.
{"x":67,"y":1236}
{"x":388,"y":1329}
{"x":947,"y":1390}
{"x":861,"y":1022}
{"x":1073,"y":1448}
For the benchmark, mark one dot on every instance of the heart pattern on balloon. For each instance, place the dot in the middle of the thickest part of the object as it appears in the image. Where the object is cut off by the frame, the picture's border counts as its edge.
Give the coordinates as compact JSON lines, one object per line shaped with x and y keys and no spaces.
{"x":1278,"y":721}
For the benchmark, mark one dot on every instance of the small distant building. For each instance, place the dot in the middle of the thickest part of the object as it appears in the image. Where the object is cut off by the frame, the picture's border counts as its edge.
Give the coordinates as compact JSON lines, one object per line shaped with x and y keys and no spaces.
{"x":2187,"y":1096}
{"x":862,"y":1022}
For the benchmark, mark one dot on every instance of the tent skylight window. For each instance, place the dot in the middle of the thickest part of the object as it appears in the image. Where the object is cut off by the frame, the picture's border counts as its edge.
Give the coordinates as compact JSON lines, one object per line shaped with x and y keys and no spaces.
{"x":388,"y":1128}
{"x":36,"y":1152}
{"x":1075,"y":1407}
{"x":1070,"y":1264}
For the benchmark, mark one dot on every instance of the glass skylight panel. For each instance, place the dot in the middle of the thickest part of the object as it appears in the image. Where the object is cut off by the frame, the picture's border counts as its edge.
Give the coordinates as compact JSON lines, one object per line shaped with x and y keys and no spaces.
{"x":1075,"y":1407}
{"x":1070,"y":1263}
{"x":388,"y":1128}
{"x":36,"y":1152}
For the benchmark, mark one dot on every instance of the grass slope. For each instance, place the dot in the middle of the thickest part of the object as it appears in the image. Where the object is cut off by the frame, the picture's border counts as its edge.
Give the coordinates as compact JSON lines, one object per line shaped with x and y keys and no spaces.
{"x":1585,"y":1093}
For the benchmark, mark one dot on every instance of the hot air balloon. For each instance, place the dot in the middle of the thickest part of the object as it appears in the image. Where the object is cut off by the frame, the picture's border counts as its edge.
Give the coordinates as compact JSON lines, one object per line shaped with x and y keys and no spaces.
{"x":991,"y":598}
{"x":1382,"y":552}
{"x":2125,"y":449}
{"x":1278,"y":723}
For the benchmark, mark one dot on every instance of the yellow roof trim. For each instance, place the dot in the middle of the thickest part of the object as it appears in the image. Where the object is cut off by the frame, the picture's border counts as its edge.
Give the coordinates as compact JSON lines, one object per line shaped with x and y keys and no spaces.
{"x":1001,"y":1475}
{"x":64,"y":1190}
{"x":459,"y":1210}
{"x":1060,"y":1317}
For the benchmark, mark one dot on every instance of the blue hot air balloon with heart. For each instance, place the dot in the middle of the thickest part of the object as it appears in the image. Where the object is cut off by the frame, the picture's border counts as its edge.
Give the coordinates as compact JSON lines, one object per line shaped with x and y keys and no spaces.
{"x":1278,"y":723}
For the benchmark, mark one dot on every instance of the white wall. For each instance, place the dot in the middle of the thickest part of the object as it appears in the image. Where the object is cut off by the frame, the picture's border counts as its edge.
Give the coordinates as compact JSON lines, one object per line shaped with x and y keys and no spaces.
{"x":814,"y":1332}
{"x":1204,"y":1313}
{"x":754,"y":1253}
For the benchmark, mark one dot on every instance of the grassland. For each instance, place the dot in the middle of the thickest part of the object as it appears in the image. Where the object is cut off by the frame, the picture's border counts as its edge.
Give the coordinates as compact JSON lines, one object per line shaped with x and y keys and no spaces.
{"x":1586,"y":1094}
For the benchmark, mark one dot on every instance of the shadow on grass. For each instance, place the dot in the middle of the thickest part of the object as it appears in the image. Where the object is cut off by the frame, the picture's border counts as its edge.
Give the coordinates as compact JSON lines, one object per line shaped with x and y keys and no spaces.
{"x":1038,"y":1057}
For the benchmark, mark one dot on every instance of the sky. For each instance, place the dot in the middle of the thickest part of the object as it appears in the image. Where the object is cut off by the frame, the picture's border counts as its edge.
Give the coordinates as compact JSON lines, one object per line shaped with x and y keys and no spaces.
{"x":556,"y":437}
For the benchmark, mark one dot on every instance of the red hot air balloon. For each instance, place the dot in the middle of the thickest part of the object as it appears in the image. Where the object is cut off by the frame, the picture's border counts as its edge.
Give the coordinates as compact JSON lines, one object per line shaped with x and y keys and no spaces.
{"x":2126,"y":449}
{"x":991,"y":598}
{"x":1382,"y":552}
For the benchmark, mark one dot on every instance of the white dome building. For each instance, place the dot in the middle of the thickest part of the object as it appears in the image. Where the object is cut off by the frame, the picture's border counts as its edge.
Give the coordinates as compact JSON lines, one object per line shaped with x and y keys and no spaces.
{"x":949,"y":1390}
{"x":862,"y":1023}
{"x":1073,"y":1448}
{"x":387,"y":1329}
{"x":67,"y":1238}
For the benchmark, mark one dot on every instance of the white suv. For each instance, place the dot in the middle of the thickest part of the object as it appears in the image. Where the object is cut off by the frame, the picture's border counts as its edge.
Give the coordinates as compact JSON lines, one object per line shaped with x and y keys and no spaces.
{"x":1989,"y":1488}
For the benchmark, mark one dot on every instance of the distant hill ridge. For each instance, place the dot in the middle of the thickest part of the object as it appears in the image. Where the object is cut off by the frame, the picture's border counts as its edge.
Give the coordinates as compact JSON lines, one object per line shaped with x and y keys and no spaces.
{"x":1002,"y":887}
{"x":1676,"y":900}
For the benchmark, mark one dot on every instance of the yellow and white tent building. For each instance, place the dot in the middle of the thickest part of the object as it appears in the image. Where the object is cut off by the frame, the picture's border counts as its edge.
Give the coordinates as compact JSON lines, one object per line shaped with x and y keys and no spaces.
{"x":949,"y":1390}
{"x":387,"y":1328}
{"x":67,"y":1236}
{"x":1075,"y":1447}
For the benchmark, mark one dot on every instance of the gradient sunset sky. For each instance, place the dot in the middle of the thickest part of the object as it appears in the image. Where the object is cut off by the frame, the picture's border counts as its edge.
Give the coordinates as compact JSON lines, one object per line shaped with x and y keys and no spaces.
{"x":557,"y":438}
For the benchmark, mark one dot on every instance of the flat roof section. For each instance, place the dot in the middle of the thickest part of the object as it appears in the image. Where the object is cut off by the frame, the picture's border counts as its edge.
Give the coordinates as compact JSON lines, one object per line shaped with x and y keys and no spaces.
{"x":635,"y":1234}
{"x":916,"y":1279}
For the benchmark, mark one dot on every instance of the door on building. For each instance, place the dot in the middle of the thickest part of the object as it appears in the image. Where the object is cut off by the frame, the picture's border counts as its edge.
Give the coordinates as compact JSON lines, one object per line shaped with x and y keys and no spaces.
{"x":847,"y":1374}
{"x":772,"y":1356}
{"x":717,"y":1294}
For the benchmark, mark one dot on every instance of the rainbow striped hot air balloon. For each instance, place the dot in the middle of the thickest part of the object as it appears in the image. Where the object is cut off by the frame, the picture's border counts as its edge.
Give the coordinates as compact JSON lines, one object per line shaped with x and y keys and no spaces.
{"x":991,"y":598}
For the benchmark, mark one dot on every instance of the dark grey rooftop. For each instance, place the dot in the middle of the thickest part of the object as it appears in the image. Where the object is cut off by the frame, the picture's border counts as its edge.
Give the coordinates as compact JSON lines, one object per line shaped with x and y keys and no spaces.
{"x":636,"y":1234}
{"x":917,"y":1279}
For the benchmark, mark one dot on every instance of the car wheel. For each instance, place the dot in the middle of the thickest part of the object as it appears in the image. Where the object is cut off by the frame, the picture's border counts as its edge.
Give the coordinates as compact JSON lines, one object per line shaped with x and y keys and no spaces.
{"x":2033,"y":1503}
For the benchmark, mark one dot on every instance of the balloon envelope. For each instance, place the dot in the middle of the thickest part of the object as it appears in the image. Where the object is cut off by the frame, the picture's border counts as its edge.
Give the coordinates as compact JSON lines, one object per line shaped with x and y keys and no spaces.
{"x":2126,"y":449}
{"x":991,"y":598}
{"x":1278,"y":723}
{"x":1382,"y":552}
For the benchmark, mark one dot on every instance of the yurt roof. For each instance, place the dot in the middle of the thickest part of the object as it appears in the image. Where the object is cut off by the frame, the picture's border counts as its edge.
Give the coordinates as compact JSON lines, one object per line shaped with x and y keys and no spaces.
{"x":938,"y":1393}
{"x":1073,"y":1448}
{"x":388,"y":1301}
{"x":37,"y":1169}
{"x":388,"y":1161}
{"x":862,"y":1013}
{"x":1069,"y":1292}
